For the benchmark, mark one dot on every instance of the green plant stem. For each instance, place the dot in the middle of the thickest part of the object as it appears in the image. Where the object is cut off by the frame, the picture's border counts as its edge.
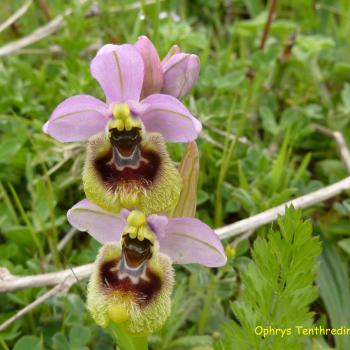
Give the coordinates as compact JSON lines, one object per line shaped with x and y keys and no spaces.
{"x":3,"y":344}
{"x":53,"y":234}
{"x":125,"y":341}
{"x":218,"y":199}
{"x":27,"y":221}
{"x":208,"y":302}
{"x":229,"y":149}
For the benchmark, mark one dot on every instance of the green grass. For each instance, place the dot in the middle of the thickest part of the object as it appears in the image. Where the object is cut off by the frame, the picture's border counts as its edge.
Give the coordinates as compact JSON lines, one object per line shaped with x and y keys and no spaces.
{"x":242,"y":90}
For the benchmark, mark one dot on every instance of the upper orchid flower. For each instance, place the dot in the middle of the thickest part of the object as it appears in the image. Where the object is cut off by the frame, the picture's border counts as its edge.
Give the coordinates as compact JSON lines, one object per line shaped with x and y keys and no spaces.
{"x":133,"y":277}
{"x":174,"y":75}
{"x":119,"y":69}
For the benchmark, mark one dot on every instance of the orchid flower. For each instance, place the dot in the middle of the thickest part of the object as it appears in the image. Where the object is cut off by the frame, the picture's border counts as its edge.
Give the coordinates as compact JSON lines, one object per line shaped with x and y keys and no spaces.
{"x":127,"y":163}
{"x":174,"y":75}
{"x":133,"y":277}
{"x":120,"y":70}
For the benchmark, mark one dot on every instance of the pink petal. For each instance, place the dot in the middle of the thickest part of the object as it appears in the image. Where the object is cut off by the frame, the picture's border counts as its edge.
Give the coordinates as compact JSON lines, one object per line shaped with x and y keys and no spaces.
{"x":119,"y":70}
{"x":188,"y":240}
{"x":107,"y":48}
{"x":168,"y":116}
{"x":173,"y":51}
{"x":103,"y":226}
{"x":153,"y":79}
{"x":158,"y":224}
{"x":180,"y":74}
{"x":77,"y":118}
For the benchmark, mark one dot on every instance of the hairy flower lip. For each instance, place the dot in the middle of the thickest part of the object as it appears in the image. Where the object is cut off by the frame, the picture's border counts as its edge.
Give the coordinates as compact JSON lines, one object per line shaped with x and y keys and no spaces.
{"x":114,"y":169}
{"x":119,"y":69}
{"x":153,"y":185}
{"x":142,"y":304}
{"x":142,"y":283}
{"x":184,"y":240}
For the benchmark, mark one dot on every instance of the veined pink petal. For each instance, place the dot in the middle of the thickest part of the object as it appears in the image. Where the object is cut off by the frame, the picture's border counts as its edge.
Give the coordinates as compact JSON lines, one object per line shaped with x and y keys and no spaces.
{"x":180,"y":74}
{"x":167,"y":115}
{"x":188,"y":240}
{"x":153,"y":78}
{"x":103,"y":226}
{"x":119,"y":69}
{"x":77,"y":118}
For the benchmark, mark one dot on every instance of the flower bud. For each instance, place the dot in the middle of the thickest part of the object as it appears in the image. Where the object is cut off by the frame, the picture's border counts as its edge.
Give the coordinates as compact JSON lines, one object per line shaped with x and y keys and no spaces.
{"x":153,"y":76}
{"x":180,"y":74}
{"x":173,"y":50}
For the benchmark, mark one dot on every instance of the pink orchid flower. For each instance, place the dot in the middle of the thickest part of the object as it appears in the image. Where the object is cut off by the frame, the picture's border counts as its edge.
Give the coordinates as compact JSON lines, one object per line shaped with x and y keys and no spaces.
{"x":175,"y":75}
{"x":120,"y":69}
{"x":185,"y":240}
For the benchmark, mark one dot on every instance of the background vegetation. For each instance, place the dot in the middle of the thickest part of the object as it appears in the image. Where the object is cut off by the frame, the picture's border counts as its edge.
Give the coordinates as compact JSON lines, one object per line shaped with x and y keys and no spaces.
{"x":275,"y":97}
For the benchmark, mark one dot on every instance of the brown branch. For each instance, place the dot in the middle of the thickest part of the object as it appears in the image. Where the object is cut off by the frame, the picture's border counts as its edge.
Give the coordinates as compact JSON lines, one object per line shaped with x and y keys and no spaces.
{"x":45,"y":9}
{"x":268,"y":23}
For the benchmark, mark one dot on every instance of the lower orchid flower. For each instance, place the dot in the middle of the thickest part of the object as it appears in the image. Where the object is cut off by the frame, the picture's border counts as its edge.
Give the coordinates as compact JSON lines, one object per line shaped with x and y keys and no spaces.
{"x":132,"y":279}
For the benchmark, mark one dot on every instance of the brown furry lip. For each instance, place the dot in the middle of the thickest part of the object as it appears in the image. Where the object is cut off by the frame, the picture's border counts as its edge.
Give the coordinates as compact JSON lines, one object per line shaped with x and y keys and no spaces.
{"x":144,"y":173}
{"x":144,"y":290}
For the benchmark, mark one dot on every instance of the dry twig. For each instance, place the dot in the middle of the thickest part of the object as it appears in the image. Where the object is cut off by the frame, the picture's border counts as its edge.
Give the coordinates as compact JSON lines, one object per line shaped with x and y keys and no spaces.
{"x":60,"y":288}
{"x":19,"y":13}
{"x":10,"y":283}
{"x":242,"y":139}
{"x":341,"y":143}
{"x":270,"y":215}
{"x":57,"y":23}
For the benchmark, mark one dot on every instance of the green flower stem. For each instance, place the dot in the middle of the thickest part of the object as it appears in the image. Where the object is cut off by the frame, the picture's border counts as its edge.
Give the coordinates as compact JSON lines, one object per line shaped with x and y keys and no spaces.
{"x":229,"y":149}
{"x":125,"y":341}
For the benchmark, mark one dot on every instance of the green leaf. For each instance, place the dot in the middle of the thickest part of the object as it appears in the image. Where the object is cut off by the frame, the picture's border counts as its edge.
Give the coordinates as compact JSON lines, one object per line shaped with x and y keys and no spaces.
{"x":345,"y":244}
{"x":79,"y":335}
{"x":345,"y":96}
{"x":333,"y":281}
{"x":191,"y":340}
{"x":269,"y":121}
{"x":278,"y":287}
{"x":28,"y":342}
{"x":60,"y":342}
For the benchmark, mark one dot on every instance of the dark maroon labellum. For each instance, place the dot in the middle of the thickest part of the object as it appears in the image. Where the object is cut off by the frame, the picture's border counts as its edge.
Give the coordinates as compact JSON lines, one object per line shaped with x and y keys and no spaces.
{"x":144,"y":290}
{"x":144,"y":173}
